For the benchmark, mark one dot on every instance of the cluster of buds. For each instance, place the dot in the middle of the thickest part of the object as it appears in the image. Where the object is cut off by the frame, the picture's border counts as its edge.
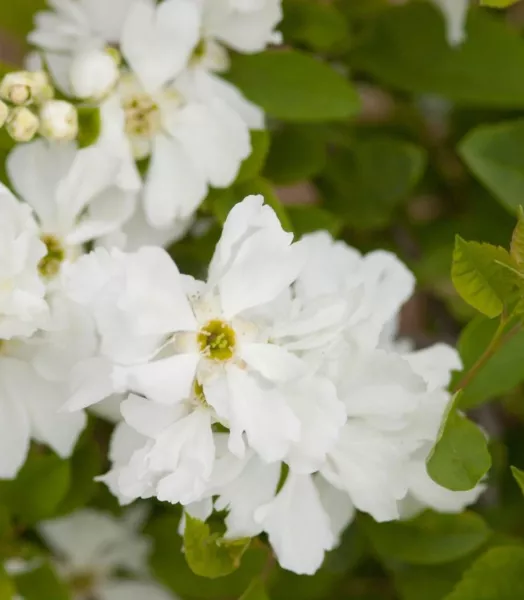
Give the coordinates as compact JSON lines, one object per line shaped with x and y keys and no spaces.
{"x":27,"y":107}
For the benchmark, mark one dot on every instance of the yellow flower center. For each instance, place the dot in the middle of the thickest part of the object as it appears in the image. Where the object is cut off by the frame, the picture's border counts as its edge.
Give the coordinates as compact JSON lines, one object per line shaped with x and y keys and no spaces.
{"x":217,"y":340}
{"x":142,"y":115}
{"x":49,"y":266}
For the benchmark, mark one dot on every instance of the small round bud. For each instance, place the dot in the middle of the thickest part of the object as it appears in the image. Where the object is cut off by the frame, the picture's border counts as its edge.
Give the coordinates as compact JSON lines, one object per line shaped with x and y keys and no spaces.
{"x":25,"y":87}
{"x":4,"y":113}
{"x":93,"y":74}
{"x":58,"y":121}
{"x":22,"y":124}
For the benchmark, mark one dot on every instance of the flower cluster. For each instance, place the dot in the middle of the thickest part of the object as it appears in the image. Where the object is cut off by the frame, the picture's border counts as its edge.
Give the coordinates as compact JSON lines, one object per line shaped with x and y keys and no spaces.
{"x":276,"y":389}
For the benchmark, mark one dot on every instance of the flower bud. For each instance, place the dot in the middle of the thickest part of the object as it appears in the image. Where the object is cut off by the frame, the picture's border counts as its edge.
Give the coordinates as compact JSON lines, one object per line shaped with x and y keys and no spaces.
{"x":22,"y":124}
{"x":93,"y":74}
{"x":4,"y":113}
{"x":58,"y":120}
{"x":24,"y":87}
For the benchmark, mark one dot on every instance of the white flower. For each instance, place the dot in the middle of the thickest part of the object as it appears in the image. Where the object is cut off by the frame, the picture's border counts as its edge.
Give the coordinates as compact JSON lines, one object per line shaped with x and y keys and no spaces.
{"x":73,"y":195}
{"x":34,"y":385}
{"x":205,"y":351}
{"x":58,"y":121}
{"x":243,"y":25}
{"x":92,"y":548}
{"x":455,"y":13}
{"x":94,"y":74}
{"x":25,"y":87}
{"x":22,"y":303}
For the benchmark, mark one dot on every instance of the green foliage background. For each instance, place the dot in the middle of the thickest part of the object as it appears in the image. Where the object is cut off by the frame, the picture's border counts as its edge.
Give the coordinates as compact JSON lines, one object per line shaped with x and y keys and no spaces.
{"x":381,"y":133}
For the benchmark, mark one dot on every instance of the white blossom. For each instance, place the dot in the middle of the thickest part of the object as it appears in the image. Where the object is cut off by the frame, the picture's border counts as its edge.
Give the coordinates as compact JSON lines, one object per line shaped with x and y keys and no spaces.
{"x":22,"y":124}
{"x":92,"y":549}
{"x":22,"y":303}
{"x":94,"y":74}
{"x":58,"y":121}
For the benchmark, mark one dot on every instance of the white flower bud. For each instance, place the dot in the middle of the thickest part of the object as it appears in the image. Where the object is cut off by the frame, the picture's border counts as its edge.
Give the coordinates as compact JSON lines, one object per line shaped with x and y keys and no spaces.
{"x":4,"y":113}
{"x":94,"y":74}
{"x":22,"y":124}
{"x":58,"y":120}
{"x":24,"y":87}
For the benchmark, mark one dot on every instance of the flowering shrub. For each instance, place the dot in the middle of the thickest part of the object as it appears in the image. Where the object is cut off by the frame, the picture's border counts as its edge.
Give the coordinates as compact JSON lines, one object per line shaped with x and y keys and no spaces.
{"x":232,"y":360}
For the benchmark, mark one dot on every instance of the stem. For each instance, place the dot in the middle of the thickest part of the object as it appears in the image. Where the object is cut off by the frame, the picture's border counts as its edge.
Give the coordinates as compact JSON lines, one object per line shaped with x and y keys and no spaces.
{"x":496,"y":342}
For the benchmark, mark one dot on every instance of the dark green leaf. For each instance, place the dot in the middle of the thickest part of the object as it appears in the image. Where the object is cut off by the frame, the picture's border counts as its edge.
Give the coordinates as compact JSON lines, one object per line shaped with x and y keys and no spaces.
{"x":17,"y":18}
{"x":366,"y":183}
{"x":308,"y":218}
{"x":496,"y":575}
{"x":479,"y":278}
{"x":7,"y":589}
{"x":294,"y":86}
{"x":493,"y":153}
{"x":38,"y":489}
{"x":296,"y":153}
{"x":208,"y":554}
{"x":321,"y":27}
{"x":42,"y":583}
{"x":406,"y":47}
{"x":429,"y":539}
{"x":254,"y":163}
{"x":460,"y":457}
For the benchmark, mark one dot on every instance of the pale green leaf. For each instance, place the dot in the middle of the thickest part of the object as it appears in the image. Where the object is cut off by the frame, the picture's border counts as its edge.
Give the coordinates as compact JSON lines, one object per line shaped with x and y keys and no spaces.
{"x":460,"y":457}
{"x":7,"y":589}
{"x":293,"y":86}
{"x":517,"y":239}
{"x":478,"y":278}
{"x":496,"y":575}
{"x":519,"y":477}
{"x":498,"y":3}
{"x":429,"y":539}
{"x":208,"y":554}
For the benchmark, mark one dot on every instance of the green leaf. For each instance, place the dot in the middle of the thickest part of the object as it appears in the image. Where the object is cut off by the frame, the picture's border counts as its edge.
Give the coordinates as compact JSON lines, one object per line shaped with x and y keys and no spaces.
{"x":296,"y":153}
{"x":38,"y":489}
{"x":519,"y":477}
{"x":500,"y":374}
{"x":421,"y":582}
{"x":85,"y":465}
{"x":7,"y":589}
{"x":42,"y":583}
{"x":460,"y":457}
{"x":208,"y":554}
{"x":306,"y":219}
{"x":89,"y":125}
{"x":366,"y":183}
{"x":321,"y":27}
{"x":171,"y":568}
{"x":406,"y":48}
{"x":254,"y":163}
{"x":294,"y":86}
{"x":493,"y":153}
{"x":479,"y":279}
{"x":496,"y":575}
{"x":517,"y":240}
{"x":429,"y":539}
{"x":256,"y":591}
{"x":498,"y":3}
